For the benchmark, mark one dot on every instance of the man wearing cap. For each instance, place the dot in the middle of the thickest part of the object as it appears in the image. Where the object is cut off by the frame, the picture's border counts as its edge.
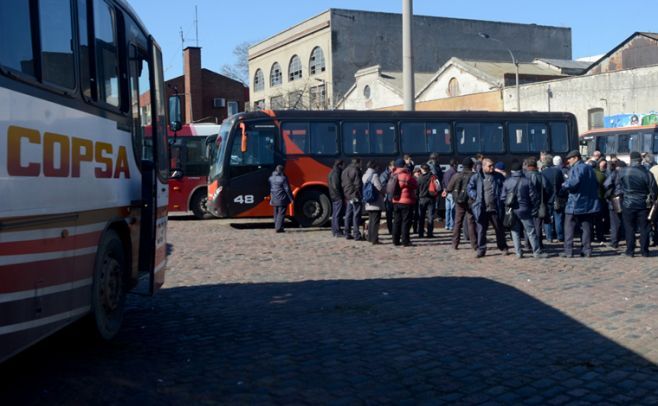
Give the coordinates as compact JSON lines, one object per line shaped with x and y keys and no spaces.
{"x":582,"y":203}
{"x":403,"y":204}
{"x":638,"y":188}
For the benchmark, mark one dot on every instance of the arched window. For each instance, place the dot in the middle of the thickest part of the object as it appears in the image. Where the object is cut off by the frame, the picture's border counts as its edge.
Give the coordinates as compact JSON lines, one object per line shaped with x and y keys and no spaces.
{"x":259,"y":81}
{"x":453,"y":87}
{"x":295,"y":68}
{"x":316,"y":64}
{"x":275,"y":75}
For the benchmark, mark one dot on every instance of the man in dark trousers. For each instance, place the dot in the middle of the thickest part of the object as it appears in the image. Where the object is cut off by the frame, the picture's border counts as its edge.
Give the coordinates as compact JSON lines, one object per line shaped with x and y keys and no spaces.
{"x":352,"y":188}
{"x":388,"y":199}
{"x":280,"y":197}
{"x":484,"y":189}
{"x":337,"y":198}
{"x":582,"y":203}
{"x":458,"y":187}
{"x":637,"y":187}
{"x":553,"y":179}
{"x":427,"y":195}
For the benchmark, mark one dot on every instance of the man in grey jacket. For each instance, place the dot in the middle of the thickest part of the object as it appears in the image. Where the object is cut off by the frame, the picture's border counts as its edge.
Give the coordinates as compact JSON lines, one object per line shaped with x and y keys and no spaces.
{"x":352,"y":186}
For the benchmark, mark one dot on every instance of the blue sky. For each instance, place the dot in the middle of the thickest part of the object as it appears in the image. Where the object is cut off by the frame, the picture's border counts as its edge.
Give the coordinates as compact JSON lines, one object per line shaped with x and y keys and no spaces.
{"x":597,"y":26}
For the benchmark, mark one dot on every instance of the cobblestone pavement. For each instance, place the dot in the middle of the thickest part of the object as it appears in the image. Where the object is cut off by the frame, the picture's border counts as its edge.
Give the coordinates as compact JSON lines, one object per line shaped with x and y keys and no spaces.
{"x":248,"y":316}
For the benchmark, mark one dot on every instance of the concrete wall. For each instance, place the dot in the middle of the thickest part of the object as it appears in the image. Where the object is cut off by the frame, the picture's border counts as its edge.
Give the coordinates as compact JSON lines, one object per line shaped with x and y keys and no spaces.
{"x":628,"y":91}
{"x":362,"y":39}
{"x":487,"y":101}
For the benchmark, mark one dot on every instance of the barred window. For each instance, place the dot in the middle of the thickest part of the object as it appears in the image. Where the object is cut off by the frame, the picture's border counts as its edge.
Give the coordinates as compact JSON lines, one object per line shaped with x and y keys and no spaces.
{"x":316,"y":64}
{"x":259,"y":81}
{"x":275,"y":75}
{"x":295,"y":68}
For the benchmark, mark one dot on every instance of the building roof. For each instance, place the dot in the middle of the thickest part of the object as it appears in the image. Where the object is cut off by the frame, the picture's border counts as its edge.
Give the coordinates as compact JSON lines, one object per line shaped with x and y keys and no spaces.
{"x":565,"y":63}
{"x":651,"y":35}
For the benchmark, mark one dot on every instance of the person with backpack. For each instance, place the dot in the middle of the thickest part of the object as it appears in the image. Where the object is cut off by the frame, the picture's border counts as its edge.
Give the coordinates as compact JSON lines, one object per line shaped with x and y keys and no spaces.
{"x":352,"y":188}
{"x":373,"y":197}
{"x":484,"y":189}
{"x":458,"y":187}
{"x":402,"y":186}
{"x":337,"y":198}
{"x":428,"y":191}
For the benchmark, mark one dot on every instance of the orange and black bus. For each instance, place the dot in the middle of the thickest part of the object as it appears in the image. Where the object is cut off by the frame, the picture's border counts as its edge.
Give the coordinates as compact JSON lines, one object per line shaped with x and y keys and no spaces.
{"x":251,"y":144}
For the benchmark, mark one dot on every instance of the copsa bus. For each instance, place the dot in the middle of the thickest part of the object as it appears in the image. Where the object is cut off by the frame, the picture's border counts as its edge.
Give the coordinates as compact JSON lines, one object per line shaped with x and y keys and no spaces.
{"x":190,"y":148}
{"x":251,"y":144}
{"x":620,"y":141}
{"x":84,"y":191}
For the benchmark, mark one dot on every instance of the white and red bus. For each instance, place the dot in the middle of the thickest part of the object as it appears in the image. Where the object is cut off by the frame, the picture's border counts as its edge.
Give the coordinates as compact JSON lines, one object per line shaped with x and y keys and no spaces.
{"x":84,"y":190}
{"x":620,"y":141}
{"x":190,"y":148}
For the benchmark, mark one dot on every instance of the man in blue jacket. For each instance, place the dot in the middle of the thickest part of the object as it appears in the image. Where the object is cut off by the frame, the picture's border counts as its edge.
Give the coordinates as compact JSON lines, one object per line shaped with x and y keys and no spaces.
{"x":582,"y":203}
{"x":484,"y":188}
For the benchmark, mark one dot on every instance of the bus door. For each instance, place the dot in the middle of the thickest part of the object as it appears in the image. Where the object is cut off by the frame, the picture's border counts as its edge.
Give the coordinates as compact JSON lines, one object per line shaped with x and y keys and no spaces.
{"x":250,"y":168}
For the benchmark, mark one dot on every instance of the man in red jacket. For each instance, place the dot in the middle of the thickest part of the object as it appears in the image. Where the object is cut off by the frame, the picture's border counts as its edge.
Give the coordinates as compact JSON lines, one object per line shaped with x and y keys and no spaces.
{"x":403,"y":204}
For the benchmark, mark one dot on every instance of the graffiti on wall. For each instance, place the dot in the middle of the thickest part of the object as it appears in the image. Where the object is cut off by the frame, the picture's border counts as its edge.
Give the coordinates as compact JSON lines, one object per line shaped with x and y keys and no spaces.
{"x":630,"y":120}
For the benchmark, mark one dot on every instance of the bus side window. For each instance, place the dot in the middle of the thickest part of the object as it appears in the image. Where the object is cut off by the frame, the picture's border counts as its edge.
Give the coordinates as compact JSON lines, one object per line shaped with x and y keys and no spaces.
{"x":611,"y":144}
{"x":324,"y":138}
{"x":296,"y":138}
{"x":140,"y":92}
{"x":538,"y":138}
{"x":623,"y":144}
{"x":355,"y":138}
{"x":15,"y":29}
{"x":57,"y":65}
{"x":492,"y":138}
{"x":655,"y":143}
{"x":382,"y":138}
{"x":559,"y":138}
{"x":439,"y":138}
{"x":412,"y":138}
{"x":647,"y":139}
{"x":517,"y":137}
{"x":468,"y":137}
{"x":107,"y":55}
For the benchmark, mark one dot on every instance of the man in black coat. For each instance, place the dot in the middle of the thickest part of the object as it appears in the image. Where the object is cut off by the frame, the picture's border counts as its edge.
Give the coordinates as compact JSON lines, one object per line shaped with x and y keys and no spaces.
{"x":637,"y":187}
{"x":337,"y":198}
{"x":553,"y":179}
{"x":352,"y":188}
{"x":280,"y":196}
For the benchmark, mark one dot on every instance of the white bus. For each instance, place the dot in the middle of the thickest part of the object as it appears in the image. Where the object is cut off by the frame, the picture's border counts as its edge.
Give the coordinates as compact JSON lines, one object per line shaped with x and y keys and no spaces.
{"x":83,"y":190}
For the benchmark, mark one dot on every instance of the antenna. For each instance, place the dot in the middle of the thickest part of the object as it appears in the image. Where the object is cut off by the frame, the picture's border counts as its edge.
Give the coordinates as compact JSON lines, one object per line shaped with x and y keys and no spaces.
{"x":196,"y":25}
{"x":182,"y":39}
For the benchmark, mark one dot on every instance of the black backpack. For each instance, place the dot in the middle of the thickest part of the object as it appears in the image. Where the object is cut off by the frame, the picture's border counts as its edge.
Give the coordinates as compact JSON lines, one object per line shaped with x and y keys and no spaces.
{"x":393,"y":188}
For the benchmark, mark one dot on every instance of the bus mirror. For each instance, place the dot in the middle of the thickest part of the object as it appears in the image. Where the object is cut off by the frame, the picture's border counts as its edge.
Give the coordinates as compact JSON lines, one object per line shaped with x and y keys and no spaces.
{"x":243,"y":145}
{"x":175,"y":116}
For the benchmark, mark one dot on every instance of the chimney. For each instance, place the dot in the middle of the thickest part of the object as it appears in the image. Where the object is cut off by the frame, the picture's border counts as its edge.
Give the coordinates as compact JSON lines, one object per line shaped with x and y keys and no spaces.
{"x":193,"y":85}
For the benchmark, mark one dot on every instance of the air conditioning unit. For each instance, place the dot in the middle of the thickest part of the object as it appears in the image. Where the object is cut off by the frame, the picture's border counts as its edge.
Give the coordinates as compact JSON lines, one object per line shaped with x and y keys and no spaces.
{"x":218,"y":102}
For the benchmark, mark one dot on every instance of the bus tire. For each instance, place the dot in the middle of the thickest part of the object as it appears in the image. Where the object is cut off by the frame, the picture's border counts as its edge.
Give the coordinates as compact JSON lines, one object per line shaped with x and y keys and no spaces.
{"x":109,"y":287}
{"x":312,"y":208}
{"x":199,"y":205}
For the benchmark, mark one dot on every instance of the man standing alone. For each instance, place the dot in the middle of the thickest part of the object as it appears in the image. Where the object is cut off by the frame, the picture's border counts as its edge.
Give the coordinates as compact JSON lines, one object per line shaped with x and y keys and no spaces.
{"x":280,"y":196}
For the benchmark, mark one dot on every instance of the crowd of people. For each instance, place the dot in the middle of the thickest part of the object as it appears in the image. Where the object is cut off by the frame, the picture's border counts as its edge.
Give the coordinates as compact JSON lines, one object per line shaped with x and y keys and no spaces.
{"x":600,"y":200}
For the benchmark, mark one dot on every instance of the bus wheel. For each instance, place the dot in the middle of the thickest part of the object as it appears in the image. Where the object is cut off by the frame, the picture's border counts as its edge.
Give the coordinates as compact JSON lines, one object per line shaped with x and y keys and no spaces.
{"x":312,"y":208}
{"x":199,"y":205}
{"x":108,"y":296}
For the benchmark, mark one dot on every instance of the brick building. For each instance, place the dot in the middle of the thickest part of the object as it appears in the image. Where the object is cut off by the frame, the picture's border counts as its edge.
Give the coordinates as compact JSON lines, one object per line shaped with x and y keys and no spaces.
{"x":206,"y":96}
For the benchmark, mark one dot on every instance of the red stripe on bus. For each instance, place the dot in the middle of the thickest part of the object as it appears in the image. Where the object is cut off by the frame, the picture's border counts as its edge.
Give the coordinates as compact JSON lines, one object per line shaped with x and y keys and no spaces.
{"x":41,"y":274}
{"x":50,"y":244}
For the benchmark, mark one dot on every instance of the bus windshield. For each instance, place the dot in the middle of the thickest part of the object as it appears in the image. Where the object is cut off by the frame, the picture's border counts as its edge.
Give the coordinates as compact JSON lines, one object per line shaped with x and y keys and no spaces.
{"x":217,"y":167}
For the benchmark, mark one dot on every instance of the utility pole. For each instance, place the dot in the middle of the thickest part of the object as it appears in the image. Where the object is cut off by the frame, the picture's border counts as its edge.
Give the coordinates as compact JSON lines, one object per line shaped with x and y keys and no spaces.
{"x":407,"y":56}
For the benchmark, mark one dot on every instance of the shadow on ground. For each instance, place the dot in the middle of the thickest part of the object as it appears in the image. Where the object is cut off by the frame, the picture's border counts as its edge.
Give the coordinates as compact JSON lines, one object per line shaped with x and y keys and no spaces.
{"x":435,"y":340}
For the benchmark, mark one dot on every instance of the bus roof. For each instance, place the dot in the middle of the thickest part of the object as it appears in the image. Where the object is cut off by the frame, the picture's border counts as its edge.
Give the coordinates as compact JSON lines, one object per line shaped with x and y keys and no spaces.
{"x":397,"y":115}
{"x":619,"y":130}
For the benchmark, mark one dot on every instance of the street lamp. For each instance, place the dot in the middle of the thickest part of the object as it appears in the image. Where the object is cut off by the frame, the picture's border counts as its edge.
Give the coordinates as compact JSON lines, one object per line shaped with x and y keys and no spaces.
{"x":514,"y":61}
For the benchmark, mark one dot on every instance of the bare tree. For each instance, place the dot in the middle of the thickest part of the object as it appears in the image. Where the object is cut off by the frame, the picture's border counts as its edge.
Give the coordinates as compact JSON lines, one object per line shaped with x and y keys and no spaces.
{"x":239,"y":70}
